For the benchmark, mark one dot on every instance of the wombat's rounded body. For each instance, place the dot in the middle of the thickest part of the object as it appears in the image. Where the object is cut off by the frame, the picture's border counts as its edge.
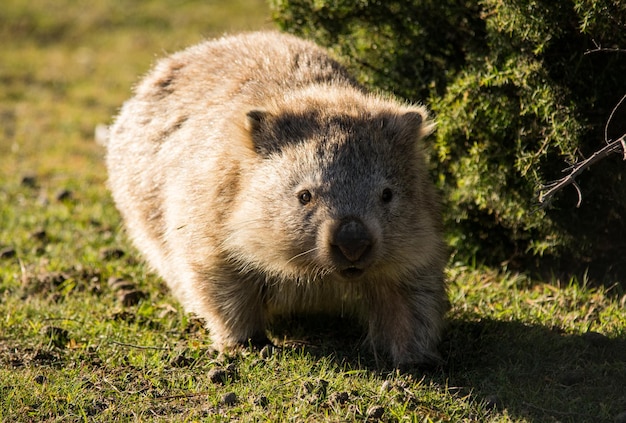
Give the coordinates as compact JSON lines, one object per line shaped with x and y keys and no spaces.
{"x":259,"y":179}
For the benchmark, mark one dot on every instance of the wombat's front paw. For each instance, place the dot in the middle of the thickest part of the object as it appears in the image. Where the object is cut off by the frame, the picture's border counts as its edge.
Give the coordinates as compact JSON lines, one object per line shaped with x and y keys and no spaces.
{"x":424,"y":362}
{"x":408,"y":350}
{"x":407,"y":328}
{"x":256,"y":342}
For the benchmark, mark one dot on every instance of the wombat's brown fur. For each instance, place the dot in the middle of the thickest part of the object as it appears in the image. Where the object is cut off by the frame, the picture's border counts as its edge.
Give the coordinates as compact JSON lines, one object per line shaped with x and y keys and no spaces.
{"x":259,"y":179}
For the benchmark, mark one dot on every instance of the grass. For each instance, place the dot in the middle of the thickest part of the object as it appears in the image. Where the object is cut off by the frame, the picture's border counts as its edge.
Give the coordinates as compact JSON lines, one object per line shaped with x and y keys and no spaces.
{"x":88,"y":334}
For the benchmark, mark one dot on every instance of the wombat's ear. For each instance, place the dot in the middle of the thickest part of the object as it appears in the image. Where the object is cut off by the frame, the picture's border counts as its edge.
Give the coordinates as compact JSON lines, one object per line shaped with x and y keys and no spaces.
{"x":255,"y":119}
{"x":258,"y":125}
{"x":416,"y":123}
{"x":408,"y":125}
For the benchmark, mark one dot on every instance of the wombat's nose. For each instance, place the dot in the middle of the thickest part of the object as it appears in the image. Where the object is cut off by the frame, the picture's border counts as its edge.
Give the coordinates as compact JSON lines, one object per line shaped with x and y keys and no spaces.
{"x":352,"y":240}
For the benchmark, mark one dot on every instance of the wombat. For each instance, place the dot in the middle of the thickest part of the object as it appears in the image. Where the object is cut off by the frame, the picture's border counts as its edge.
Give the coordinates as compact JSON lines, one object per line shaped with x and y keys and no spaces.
{"x":259,"y":179}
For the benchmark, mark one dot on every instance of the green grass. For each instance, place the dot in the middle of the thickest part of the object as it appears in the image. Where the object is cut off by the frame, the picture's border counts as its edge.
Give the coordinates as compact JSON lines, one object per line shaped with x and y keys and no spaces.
{"x":72,"y":349}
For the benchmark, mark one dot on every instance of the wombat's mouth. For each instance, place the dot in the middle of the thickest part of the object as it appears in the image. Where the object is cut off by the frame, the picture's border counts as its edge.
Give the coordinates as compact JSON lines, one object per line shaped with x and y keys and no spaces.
{"x":351,"y":272}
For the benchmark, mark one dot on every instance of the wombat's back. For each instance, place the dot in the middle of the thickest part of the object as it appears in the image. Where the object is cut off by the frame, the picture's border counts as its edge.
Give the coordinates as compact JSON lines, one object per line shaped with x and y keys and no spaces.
{"x":231,"y":71}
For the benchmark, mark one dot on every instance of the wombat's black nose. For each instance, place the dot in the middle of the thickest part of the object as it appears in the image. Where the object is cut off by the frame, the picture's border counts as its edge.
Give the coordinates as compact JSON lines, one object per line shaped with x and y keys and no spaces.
{"x":352,"y":240}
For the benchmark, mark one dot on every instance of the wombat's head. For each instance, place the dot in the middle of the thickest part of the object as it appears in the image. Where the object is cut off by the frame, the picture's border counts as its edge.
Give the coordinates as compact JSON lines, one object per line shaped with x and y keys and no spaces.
{"x":339,"y":189}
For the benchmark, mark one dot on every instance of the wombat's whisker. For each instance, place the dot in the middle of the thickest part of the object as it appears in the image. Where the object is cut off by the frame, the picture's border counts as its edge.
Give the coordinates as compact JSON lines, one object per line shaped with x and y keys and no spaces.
{"x":241,"y":226}
{"x":302,"y":254}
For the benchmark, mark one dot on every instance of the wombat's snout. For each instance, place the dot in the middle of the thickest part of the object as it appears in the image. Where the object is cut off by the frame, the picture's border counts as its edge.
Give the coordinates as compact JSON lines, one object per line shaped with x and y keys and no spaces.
{"x":351,"y":244}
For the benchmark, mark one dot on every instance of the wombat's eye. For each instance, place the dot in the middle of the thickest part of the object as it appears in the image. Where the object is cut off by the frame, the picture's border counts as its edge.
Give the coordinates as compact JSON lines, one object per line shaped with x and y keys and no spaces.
{"x":304,"y":197}
{"x":387,"y":195}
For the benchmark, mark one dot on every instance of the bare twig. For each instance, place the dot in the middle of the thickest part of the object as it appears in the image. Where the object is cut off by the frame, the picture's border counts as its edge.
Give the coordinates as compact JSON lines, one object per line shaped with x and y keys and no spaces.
{"x":548,"y":190}
{"x":605,"y":50}
{"x":608,"y":122}
{"x":181,"y":396}
{"x":600,"y":49}
{"x":139,"y":347}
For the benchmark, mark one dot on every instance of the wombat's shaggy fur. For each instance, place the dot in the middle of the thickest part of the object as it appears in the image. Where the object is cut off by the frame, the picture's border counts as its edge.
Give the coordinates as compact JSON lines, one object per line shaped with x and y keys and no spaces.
{"x":259,"y":179}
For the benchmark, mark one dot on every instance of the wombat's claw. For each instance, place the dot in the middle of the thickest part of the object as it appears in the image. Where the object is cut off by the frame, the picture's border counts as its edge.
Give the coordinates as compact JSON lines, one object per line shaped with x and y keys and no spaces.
{"x":258,"y":343}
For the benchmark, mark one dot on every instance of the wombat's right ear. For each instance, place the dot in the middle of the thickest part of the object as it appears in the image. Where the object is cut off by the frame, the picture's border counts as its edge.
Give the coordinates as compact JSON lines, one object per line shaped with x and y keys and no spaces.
{"x":255,"y":119}
{"x":258,"y":126}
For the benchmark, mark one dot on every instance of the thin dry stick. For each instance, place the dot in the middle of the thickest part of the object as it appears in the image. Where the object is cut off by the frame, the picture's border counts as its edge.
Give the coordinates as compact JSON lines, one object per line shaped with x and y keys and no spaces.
{"x":605,"y":50}
{"x":548,"y":190}
{"x":600,"y":49}
{"x":139,"y":347}
{"x":608,"y":122}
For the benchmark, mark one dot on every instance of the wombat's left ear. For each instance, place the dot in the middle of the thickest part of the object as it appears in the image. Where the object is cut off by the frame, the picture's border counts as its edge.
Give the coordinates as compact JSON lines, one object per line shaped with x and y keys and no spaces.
{"x":416,"y":122}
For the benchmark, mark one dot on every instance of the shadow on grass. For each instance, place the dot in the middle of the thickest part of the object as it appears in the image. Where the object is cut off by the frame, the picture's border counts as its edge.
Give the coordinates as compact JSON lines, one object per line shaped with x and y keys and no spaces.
{"x":609,"y":272}
{"x":537,"y":372}
{"x":533,"y":372}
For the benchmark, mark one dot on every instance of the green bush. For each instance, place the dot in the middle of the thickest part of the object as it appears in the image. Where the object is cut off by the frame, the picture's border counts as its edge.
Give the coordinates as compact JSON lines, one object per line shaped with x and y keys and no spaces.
{"x":521,"y":89}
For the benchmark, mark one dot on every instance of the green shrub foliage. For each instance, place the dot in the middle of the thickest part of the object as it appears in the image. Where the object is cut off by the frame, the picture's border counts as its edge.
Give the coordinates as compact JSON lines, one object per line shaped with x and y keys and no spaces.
{"x":521,"y":89}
